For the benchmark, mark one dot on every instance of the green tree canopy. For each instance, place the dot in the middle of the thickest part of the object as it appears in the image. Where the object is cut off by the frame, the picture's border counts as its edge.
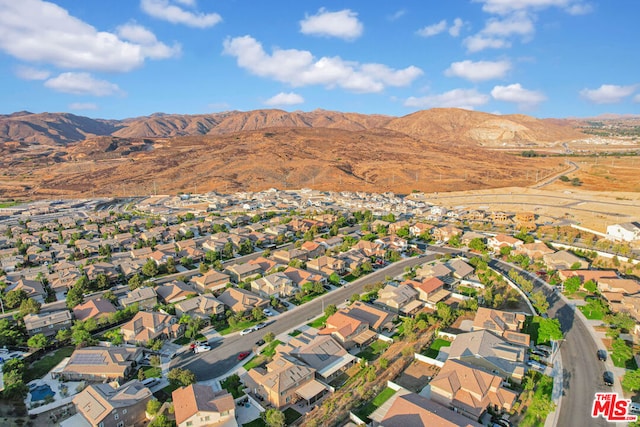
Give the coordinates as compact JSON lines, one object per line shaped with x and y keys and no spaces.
{"x":274,"y":418}
{"x":37,"y":341}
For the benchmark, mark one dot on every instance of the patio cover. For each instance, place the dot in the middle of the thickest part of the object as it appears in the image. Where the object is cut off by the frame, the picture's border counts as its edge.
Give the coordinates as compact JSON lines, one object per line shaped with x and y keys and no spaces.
{"x":310,"y":389}
{"x":364,"y":337}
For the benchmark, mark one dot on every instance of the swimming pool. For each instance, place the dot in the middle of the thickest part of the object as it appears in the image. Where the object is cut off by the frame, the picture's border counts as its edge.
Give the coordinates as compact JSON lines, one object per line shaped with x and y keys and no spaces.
{"x":41,"y":392}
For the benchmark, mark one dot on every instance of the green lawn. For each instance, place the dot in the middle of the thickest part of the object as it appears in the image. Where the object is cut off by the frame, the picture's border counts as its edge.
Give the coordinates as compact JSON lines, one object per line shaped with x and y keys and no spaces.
{"x":295,"y":333}
{"x":305,"y":299}
{"x":152,"y":372}
{"x":258,"y":422}
{"x":435,"y":347}
{"x":318,"y":323}
{"x":537,"y":412}
{"x":171,"y":388}
{"x":290,"y":416}
{"x":577,"y":295}
{"x":41,"y":367}
{"x":270,"y":349}
{"x":264,"y":356}
{"x":373,"y":351}
{"x":468,"y":291}
{"x":531,"y":326}
{"x":239,"y":326}
{"x":9,"y":204}
{"x":592,"y":312}
{"x":233,"y":385}
{"x":364,"y":412}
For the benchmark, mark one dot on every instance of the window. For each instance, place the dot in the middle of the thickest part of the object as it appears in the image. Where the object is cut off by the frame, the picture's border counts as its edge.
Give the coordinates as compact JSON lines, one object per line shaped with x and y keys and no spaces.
{"x":116,"y":416}
{"x":124,"y":411}
{"x":189,"y":423}
{"x":120,"y":424}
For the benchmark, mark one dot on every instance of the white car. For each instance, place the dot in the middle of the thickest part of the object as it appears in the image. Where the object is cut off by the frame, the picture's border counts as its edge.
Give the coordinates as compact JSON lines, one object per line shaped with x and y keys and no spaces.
{"x":246,"y":331}
{"x":201,"y":348}
{"x":268,"y":312}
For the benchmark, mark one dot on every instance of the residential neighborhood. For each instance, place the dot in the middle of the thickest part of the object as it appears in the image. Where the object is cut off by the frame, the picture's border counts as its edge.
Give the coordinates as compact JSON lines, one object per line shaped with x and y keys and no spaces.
{"x":122,"y":309}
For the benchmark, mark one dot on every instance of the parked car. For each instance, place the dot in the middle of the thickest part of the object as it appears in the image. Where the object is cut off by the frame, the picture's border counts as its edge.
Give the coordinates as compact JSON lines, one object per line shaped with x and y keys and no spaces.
{"x":343,"y":282}
{"x":201,"y":348}
{"x":243,"y":355}
{"x":150,"y":382}
{"x":602,"y":355}
{"x":268,"y":312}
{"x":608,"y":378}
{"x":260,"y":342}
{"x":246,"y":331}
{"x":259,"y":326}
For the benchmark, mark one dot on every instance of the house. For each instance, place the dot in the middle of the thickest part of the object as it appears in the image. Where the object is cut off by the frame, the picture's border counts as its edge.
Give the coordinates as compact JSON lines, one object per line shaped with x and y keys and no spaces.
{"x":241,"y":272}
{"x":399,"y":298}
{"x":621,"y":286}
{"x":393,"y":242}
{"x":286,"y":256}
{"x":326,"y":265}
{"x":241,"y":301}
{"x":300,"y":277}
{"x":460,"y":269}
{"x":106,"y":405}
{"x":174,"y":291}
{"x":535,"y":250}
{"x":369,"y":249}
{"x":33,"y":288}
{"x":353,"y":259}
{"x":320,"y":352}
{"x":347,"y":330}
{"x":331,"y":243}
{"x":145,"y":297}
{"x":487,"y":350}
{"x":47,"y":324}
{"x":266,"y":265}
{"x":147,"y":326}
{"x":202,"y":306}
{"x":94,"y":309}
{"x":284,"y":381}
{"x":625,"y":232}
{"x":441,"y":271}
{"x":586,"y":275}
{"x":377,"y":319}
{"x":211,"y":281}
{"x":274,"y":285}
{"x":420,"y":228}
{"x":406,"y":409}
{"x":430,"y":291}
{"x":394,"y":227}
{"x":99,"y":364}
{"x":469,"y":390}
{"x":507,"y":325}
{"x":197,"y":405}
{"x":563,"y":260}
{"x":499,"y":241}
{"x":102,"y":268}
{"x":313,"y":249}
{"x":445,"y":233}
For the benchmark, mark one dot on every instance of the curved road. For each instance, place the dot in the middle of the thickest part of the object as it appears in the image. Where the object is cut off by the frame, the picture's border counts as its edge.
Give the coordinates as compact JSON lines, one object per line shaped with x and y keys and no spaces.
{"x":582,"y":372}
{"x":223,"y":356}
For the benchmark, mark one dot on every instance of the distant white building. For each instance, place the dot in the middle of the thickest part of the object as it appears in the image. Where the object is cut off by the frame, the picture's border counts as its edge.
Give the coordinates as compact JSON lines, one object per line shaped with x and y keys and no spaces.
{"x":626,"y":232}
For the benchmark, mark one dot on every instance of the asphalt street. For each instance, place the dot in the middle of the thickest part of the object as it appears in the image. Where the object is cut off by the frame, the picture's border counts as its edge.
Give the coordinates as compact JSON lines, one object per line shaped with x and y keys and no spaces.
{"x":223,"y":356}
{"x":582,"y":372}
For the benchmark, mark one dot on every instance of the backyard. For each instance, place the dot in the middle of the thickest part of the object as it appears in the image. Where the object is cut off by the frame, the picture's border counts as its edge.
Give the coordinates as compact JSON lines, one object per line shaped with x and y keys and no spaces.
{"x":40,"y":368}
{"x":374,"y":350}
{"x":433,"y":350}
{"x":368,"y":409}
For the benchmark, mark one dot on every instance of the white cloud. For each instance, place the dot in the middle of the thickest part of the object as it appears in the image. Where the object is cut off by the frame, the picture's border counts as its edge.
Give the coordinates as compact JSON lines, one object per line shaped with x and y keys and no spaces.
{"x":432,"y":30}
{"x":479,"y":42}
{"x":190,"y":3}
{"x":456,"y":98}
{"x":82,"y":84}
{"x":300,"y":68}
{"x":454,"y":30}
{"x":504,"y":7}
{"x":164,"y":10}
{"x":478,"y":71}
{"x":343,"y":24}
{"x":636,"y":98}
{"x":608,"y":94}
{"x":516,"y":94}
{"x":30,"y":73}
{"x":83,"y":106}
{"x":282,"y":98}
{"x":399,"y":14}
{"x":519,"y":23}
{"x":39,"y":31}
{"x":149,"y":44}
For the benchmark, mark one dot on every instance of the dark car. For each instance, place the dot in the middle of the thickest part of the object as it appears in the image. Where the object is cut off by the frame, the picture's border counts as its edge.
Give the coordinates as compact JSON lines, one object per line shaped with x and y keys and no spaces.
{"x":608,"y":378}
{"x":602,"y":355}
{"x":260,"y":342}
{"x":243,"y":355}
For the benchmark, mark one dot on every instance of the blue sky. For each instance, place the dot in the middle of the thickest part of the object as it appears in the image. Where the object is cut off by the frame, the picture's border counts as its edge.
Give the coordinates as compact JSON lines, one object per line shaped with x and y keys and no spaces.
{"x":127,"y":58}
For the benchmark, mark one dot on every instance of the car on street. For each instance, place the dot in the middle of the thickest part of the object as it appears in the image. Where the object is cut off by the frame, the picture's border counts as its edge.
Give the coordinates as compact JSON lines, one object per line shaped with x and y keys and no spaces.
{"x":246,"y":331}
{"x":343,"y":282}
{"x":201,"y":348}
{"x":259,"y":326}
{"x":602,"y":355}
{"x":243,"y":355}
{"x":260,"y":342}
{"x":608,"y":378}
{"x":268,"y":312}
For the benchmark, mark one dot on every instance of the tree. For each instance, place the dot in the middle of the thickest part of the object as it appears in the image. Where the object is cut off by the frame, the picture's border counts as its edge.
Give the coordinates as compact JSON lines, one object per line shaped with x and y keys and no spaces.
{"x":135,"y":281}
{"x":330,"y":310}
{"x":102,"y":281}
{"x":334,"y":279}
{"x":572,"y":284}
{"x":29,"y":306}
{"x":548,"y":330}
{"x":444,"y":312}
{"x":161,"y":421}
{"x":155,"y":361}
{"x":576,"y":266}
{"x":269,"y":337}
{"x":75,"y":296}
{"x":186,"y":261}
{"x":590,"y":286}
{"x":153,"y":406}
{"x":63,"y":335}
{"x":81,"y":338}
{"x":477,"y":244}
{"x":631,"y":380}
{"x":227,"y":250}
{"x":15,"y":297}
{"x":540,"y":302}
{"x":409,"y":325}
{"x":505,"y":250}
{"x":181,"y":377}
{"x":171,"y":265}
{"x":257,"y":314}
{"x":622,"y":321}
{"x":37,"y":341}
{"x":150,"y":268}
{"x":211,"y":256}
{"x":274,"y":418}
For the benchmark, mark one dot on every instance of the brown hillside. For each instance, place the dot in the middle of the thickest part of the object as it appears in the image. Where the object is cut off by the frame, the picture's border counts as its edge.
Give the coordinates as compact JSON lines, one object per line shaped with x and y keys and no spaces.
{"x":51,"y":128}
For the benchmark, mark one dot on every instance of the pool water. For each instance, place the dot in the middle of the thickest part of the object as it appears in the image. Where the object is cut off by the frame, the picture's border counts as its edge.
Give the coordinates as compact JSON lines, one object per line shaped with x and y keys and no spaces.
{"x":41,"y":392}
